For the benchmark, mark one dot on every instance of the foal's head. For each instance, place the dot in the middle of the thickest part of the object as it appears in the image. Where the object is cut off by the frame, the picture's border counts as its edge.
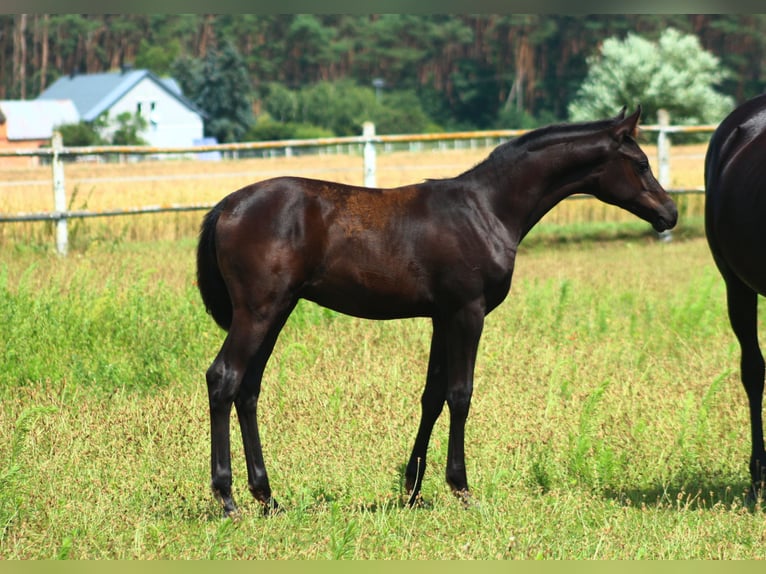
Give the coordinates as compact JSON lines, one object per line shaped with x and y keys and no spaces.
{"x":626,"y":180}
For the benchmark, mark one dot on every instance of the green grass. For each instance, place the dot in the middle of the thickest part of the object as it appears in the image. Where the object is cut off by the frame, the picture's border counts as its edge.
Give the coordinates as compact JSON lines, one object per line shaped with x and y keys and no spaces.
{"x":607,"y":422}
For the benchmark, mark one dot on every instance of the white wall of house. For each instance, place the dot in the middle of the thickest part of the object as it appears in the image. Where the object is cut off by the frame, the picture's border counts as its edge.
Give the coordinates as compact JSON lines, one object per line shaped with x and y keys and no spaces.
{"x":170,"y":123}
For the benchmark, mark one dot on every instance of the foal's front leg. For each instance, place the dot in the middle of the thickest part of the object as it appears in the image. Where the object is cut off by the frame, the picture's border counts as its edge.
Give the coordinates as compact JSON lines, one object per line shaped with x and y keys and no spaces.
{"x":463,"y":331}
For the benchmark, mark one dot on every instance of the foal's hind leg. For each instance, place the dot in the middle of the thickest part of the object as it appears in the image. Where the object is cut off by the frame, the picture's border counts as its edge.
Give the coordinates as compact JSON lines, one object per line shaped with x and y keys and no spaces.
{"x":743,"y":315}
{"x":247,"y":411}
{"x":224,"y":381}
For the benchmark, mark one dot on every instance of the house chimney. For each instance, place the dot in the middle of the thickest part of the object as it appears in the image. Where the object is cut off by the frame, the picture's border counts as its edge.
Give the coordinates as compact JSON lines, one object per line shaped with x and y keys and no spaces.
{"x":126,"y":67}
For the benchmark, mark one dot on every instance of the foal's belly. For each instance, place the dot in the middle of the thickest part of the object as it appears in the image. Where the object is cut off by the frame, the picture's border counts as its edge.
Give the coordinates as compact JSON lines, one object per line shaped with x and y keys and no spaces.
{"x":362,"y":300}
{"x":372,"y":288}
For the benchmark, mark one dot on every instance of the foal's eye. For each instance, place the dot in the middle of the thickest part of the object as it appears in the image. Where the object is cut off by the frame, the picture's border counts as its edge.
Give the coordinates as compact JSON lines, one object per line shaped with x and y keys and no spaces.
{"x":643,"y":166}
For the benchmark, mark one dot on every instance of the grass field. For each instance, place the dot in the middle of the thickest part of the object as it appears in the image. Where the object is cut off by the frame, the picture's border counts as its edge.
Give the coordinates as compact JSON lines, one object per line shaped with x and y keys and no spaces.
{"x":608,"y":420}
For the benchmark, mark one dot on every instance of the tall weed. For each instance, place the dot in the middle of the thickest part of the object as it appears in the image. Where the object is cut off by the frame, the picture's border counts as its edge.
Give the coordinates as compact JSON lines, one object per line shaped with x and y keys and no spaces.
{"x":117,"y":332}
{"x":14,"y":473}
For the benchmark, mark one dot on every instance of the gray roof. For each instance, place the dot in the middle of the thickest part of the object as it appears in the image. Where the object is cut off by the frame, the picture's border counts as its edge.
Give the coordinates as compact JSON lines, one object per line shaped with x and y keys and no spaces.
{"x":93,"y":94}
{"x":35,"y":119}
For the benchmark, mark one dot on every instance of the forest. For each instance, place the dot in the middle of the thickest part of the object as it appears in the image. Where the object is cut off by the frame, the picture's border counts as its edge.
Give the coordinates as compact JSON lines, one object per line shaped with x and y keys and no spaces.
{"x":465,"y":71}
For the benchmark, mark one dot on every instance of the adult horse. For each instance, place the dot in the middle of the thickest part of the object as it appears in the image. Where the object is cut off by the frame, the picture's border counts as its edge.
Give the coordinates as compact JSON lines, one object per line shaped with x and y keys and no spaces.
{"x":735,"y":217}
{"x":443,"y":249}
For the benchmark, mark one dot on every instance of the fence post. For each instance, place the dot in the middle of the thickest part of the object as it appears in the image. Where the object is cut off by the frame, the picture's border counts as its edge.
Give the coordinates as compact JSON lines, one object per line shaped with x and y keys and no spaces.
{"x":663,"y":149}
{"x":368,"y":132}
{"x":663,"y":159}
{"x":59,"y":195}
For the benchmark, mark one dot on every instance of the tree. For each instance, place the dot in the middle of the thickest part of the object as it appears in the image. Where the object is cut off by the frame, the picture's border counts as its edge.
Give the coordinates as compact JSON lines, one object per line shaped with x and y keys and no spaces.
{"x":280,"y":102}
{"x":158,"y":59}
{"x":674,"y":73}
{"x":128,"y":129}
{"x":467,"y":70}
{"x":219,"y":85}
{"x":309,"y":47}
{"x":401,"y":113}
{"x":342,"y":106}
{"x":339,"y":108}
{"x":20,"y":54}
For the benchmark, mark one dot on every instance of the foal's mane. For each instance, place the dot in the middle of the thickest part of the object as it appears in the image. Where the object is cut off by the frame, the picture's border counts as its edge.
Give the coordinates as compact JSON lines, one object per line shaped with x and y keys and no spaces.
{"x":540,"y":138}
{"x":553,"y":134}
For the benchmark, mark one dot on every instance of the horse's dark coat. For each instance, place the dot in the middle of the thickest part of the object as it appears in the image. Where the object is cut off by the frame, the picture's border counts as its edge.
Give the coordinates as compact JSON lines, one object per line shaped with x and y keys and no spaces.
{"x":443,"y":249}
{"x":735,"y":224}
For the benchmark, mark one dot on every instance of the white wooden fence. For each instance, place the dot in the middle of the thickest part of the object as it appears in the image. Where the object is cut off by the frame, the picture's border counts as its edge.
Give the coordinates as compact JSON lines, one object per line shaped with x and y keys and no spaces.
{"x":369,"y":143}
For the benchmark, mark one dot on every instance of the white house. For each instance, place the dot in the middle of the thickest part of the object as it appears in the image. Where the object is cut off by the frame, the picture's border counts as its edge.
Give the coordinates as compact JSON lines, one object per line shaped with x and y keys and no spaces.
{"x":172,"y":119}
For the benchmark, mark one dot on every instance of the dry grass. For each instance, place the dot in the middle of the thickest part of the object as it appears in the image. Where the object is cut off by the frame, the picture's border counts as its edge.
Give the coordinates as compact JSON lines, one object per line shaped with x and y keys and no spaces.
{"x":92,"y":186}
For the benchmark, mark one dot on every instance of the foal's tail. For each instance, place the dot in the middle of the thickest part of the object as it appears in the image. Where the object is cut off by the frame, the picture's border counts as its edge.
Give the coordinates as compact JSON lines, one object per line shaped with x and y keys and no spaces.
{"x":210,"y":282}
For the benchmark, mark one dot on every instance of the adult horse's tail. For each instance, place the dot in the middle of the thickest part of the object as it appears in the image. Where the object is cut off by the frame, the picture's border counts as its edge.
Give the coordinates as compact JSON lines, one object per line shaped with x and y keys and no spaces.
{"x":210,"y":282}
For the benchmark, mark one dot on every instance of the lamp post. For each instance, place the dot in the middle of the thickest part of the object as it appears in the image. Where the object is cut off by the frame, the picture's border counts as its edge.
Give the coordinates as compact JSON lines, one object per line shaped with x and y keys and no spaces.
{"x":378,"y":84}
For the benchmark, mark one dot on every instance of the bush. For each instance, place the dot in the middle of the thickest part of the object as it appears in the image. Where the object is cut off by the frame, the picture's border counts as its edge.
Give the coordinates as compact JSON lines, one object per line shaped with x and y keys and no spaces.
{"x":674,"y":73}
{"x":126,"y":130}
{"x":266,"y":129}
{"x":341,"y":106}
{"x":340,"y":109}
{"x":80,"y":134}
{"x":129,"y":128}
{"x":401,"y":113}
{"x":511,"y":118}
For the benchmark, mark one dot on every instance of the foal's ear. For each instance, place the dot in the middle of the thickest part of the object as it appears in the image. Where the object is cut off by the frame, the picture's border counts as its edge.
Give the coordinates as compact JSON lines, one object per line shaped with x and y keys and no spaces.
{"x":621,"y":116}
{"x":628,"y":126}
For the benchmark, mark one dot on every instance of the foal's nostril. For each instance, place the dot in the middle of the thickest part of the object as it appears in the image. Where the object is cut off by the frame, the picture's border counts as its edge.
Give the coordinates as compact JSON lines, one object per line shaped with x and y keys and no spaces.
{"x":672,"y":213}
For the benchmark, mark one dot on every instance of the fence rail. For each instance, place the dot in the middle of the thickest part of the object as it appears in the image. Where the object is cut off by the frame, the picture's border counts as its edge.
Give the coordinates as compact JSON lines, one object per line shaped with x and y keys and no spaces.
{"x":368,"y":142}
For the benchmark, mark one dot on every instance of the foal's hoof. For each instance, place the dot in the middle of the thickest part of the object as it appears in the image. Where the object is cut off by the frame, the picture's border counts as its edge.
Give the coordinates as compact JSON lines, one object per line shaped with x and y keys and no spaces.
{"x":270,"y":507}
{"x":230,"y":509}
{"x":414,"y":500}
{"x":754,"y":497}
{"x":466,"y":499}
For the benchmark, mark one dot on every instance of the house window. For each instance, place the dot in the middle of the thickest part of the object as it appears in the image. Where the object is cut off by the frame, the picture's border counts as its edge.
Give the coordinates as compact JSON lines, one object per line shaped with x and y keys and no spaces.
{"x":148,"y":110}
{"x":154,"y":117}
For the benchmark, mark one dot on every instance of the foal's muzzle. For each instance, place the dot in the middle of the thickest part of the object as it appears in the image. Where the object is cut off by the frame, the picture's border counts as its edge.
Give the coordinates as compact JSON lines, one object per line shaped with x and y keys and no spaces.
{"x":667,"y":217}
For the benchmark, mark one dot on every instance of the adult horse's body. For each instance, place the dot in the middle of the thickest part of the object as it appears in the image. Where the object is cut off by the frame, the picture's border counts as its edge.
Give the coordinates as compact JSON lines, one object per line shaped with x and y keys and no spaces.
{"x":735,"y":224}
{"x":443,"y":249}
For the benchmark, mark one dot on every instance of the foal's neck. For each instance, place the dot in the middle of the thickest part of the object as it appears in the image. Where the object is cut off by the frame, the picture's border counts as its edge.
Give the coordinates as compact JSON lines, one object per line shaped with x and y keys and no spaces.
{"x":525,"y":184}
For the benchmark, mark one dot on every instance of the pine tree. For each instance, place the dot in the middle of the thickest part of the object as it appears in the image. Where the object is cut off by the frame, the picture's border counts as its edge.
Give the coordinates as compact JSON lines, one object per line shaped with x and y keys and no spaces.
{"x":220,"y":86}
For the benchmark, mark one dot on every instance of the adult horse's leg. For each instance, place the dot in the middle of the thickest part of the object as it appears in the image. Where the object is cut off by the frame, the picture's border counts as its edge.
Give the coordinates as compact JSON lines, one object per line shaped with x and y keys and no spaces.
{"x":462,"y":332}
{"x":431,"y":403}
{"x":743,"y":315}
{"x":246,"y":404}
